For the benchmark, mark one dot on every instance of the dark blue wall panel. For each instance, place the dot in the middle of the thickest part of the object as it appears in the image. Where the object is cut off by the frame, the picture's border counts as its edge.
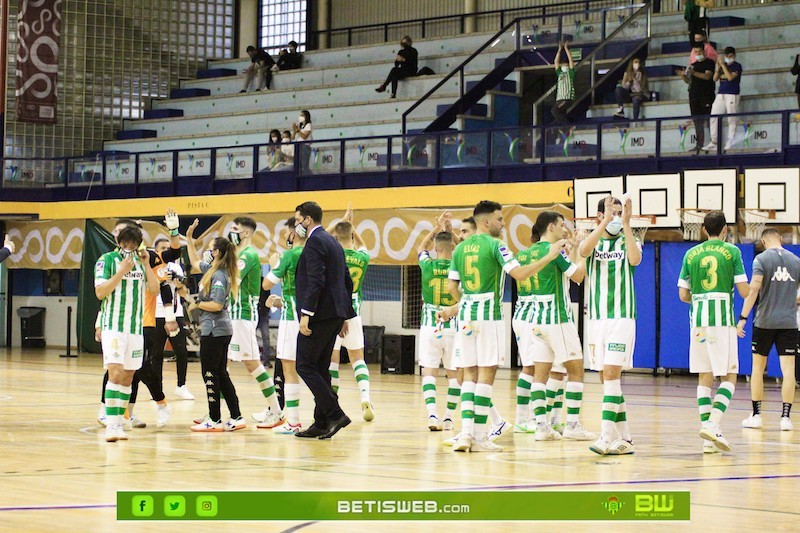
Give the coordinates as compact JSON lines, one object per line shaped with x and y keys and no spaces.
{"x":644,"y":355}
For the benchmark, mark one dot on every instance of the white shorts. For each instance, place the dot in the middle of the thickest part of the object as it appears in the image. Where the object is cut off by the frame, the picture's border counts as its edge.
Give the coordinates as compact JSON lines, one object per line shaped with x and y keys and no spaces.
{"x":286,"y":348}
{"x":611,"y":342}
{"x":244,"y":343}
{"x":714,"y":349}
{"x":555,"y":344}
{"x":354,"y":340}
{"x":433,"y":351}
{"x":124,"y":349}
{"x":480,"y":343}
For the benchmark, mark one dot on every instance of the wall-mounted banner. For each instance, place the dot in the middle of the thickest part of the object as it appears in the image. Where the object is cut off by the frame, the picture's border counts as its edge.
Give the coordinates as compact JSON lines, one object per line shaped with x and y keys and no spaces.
{"x":391,"y":236}
{"x":39,"y":32}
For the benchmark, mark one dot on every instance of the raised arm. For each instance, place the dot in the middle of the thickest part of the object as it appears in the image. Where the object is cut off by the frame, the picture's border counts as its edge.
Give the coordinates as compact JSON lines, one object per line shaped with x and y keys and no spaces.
{"x":632,"y":250}
{"x":588,"y":244}
{"x":569,"y":55}
{"x":557,"y":60}
{"x":150,"y":277}
{"x":520,"y":273}
{"x":194,"y":258}
{"x":171,"y":221}
{"x":438,"y":227}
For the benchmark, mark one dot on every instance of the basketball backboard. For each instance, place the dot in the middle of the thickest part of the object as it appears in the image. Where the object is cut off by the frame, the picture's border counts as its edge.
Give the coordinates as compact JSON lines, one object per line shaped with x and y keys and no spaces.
{"x":658,"y":195}
{"x":589,"y":191}
{"x":713,"y":189}
{"x":775,"y":189}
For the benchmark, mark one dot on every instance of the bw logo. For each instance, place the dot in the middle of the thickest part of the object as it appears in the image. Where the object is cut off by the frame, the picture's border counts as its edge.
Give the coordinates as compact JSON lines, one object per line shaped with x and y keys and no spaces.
{"x":782,"y":274}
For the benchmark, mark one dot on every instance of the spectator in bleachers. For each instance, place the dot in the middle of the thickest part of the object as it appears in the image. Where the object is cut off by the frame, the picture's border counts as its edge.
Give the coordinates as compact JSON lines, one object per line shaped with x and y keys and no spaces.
{"x":796,"y":72}
{"x":405,"y":65}
{"x":708,"y":49}
{"x":274,"y":147}
{"x":696,"y":14}
{"x":289,"y":59}
{"x":565,"y":86}
{"x":729,"y":74}
{"x":261,"y":66}
{"x":633,"y":87}
{"x":285,"y":158}
{"x":699,"y":76}
{"x":301,"y":131}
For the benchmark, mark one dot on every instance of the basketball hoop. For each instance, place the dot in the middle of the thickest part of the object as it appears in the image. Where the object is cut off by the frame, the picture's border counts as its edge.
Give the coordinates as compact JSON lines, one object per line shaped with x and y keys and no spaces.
{"x":755,"y":220}
{"x":639,"y":224}
{"x":692,"y":222}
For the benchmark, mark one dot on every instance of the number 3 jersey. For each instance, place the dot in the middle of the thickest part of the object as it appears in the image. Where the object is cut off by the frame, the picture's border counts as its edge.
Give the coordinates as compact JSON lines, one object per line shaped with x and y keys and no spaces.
{"x":480,"y":263}
{"x":544,"y":297}
{"x":357,"y":262}
{"x":710,"y":270}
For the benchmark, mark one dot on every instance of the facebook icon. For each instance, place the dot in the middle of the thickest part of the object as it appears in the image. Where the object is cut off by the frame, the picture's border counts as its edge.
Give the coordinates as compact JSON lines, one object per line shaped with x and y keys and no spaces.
{"x":142,"y":506}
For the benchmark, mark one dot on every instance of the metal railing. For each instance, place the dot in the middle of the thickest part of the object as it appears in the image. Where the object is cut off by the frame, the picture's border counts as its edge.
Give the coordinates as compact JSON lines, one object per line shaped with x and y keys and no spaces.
{"x":373,"y":157}
{"x":515,"y":37}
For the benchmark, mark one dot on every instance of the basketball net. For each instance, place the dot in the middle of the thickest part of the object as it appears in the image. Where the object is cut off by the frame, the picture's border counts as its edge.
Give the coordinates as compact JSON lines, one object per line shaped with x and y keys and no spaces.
{"x":755,"y":220}
{"x":692,"y":222}
{"x":639,"y":225}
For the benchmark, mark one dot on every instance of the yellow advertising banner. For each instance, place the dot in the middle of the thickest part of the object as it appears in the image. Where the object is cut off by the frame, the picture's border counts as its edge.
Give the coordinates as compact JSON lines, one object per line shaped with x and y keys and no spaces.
{"x":391,"y":236}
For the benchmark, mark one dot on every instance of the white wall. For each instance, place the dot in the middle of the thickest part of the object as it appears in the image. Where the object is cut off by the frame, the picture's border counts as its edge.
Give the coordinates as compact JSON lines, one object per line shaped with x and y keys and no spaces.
{"x":55,"y":322}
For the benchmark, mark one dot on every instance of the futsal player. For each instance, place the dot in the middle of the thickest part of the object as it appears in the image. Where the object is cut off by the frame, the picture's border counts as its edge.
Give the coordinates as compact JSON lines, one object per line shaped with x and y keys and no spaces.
{"x":776,"y":272}
{"x":708,"y":274}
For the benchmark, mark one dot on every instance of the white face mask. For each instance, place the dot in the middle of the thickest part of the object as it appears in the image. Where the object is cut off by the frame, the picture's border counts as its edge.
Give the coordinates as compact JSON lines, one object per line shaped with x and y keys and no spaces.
{"x":699,"y":57}
{"x":636,"y":66}
{"x":301,"y":120}
{"x":729,"y":61}
{"x":235,"y":238}
{"x":300,"y":230}
{"x":564,"y":69}
{"x":615,"y":226}
{"x":208,"y":257}
{"x":127,"y":253}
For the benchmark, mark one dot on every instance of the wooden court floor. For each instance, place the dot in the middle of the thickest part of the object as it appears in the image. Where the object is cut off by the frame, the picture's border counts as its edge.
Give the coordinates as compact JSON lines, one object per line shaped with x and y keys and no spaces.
{"x":58,"y":474}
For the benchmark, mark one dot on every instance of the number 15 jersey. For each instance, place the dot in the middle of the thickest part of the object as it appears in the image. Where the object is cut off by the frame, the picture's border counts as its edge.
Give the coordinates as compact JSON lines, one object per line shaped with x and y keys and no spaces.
{"x":709,"y":271}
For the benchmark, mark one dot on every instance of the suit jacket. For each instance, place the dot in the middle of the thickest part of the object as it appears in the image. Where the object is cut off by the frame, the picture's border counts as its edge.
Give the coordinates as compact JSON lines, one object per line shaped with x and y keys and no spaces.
{"x":324,"y":287}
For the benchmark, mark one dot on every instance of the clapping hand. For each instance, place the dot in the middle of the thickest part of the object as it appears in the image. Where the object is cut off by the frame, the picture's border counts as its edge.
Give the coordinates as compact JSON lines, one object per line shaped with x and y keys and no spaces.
{"x":191,"y":228}
{"x":8,"y":243}
{"x":627,"y":211}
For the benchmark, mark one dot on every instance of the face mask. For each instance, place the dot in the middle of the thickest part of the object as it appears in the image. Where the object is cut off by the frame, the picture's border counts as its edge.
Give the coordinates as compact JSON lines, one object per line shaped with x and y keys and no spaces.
{"x":208,"y":257}
{"x":615,"y":226}
{"x":127,"y":253}
{"x":287,"y":140}
{"x":636,"y":66}
{"x":289,"y":244}
{"x":300,"y":230}
{"x":729,"y":61}
{"x":234,"y":238}
{"x":564,"y":69}
{"x":301,"y":120}
{"x":699,"y":57}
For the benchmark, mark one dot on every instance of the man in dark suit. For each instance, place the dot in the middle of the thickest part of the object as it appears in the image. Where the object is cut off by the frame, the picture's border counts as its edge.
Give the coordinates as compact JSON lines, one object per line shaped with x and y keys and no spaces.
{"x":324,"y":291}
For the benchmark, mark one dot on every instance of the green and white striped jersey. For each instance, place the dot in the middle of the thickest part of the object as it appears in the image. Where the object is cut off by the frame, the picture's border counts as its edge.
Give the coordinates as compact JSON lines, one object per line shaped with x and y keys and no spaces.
{"x":435,"y":293}
{"x":357,"y":262}
{"x":285,"y":275}
{"x":544,"y":297}
{"x":609,"y":277}
{"x":710,"y":270}
{"x":122,"y":310}
{"x":480,"y":263}
{"x":244,"y":304}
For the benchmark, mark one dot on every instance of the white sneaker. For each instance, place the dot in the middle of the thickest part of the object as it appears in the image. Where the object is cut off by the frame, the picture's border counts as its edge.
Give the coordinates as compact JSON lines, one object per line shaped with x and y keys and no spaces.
{"x":752,"y":422}
{"x":434,"y":424}
{"x":288,"y":428}
{"x":558,"y":426}
{"x":447,"y":424}
{"x":121,"y":435}
{"x":545,"y":432}
{"x":485,"y":446}
{"x":201,"y":419}
{"x":271,"y":420}
{"x":496,"y":431}
{"x":714,"y":435}
{"x":368,"y":411}
{"x":601,"y":446}
{"x":452,"y":440}
{"x":162,"y":415}
{"x":183,"y":393}
{"x":101,"y":415}
{"x":235,"y":424}
{"x":525,"y":426}
{"x":786,"y":424}
{"x":111,"y":433}
{"x":577,"y":432}
{"x":621,"y":447}
{"x":261,"y":415}
{"x":463,"y":444}
{"x":710,"y":146}
{"x":127,"y":424}
{"x":708,"y":447}
{"x":208,"y":426}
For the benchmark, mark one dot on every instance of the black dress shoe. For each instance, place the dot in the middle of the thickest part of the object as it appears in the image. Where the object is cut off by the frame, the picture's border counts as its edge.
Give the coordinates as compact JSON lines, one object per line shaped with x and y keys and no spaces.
{"x":311,"y":433}
{"x":335,"y":426}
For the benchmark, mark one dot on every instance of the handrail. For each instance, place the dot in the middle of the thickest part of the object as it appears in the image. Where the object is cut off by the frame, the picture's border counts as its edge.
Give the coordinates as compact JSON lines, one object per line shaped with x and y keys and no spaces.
{"x":433,"y":141}
{"x":462,"y":17}
{"x":591,"y":57}
{"x":517,"y":46}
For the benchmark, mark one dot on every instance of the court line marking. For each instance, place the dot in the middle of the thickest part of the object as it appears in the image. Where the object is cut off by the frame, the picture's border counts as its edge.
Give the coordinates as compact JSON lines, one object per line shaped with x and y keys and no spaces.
{"x":59,"y":507}
{"x":5,"y":397}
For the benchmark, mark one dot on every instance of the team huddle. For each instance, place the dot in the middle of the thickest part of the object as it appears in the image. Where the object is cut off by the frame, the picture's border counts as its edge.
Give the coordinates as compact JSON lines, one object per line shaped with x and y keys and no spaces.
{"x":462,"y":326}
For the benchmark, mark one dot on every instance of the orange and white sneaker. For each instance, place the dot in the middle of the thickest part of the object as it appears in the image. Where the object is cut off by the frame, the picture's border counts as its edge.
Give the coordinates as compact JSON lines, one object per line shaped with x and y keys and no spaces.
{"x":271,"y":420}
{"x":208,"y":426}
{"x":235,"y":424}
{"x":288,"y":428}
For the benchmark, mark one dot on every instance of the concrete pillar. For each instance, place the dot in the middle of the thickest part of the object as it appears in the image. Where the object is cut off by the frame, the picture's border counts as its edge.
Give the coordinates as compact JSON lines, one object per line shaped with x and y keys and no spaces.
{"x":247,"y":26}
{"x":323,"y":23}
{"x":470,"y":6}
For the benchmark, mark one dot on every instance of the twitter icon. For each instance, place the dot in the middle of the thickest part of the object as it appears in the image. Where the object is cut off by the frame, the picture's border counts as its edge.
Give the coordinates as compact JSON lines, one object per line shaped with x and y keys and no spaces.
{"x":174,"y":506}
